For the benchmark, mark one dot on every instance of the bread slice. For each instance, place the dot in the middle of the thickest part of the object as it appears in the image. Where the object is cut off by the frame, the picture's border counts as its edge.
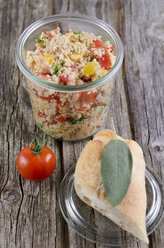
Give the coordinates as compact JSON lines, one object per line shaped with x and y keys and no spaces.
{"x":130,"y":214}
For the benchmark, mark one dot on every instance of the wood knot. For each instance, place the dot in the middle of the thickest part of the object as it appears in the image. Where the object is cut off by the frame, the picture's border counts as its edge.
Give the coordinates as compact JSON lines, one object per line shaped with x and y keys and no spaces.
{"x":11,"y":196}
{"x":158,"y":144}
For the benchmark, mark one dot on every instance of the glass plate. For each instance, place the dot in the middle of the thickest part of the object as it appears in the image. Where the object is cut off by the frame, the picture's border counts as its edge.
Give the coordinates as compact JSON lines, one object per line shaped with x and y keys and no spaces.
{"x":93,"y":226}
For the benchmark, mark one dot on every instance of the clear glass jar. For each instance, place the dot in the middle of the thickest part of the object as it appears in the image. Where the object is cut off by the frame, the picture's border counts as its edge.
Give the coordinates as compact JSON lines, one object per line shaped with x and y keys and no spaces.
{"x":69,"y":112}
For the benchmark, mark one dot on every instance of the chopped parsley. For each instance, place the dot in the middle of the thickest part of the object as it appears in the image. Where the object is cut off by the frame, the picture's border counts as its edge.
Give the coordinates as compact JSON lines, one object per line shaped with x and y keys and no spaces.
{"x":57,"y":68}
{"x":79,"y":32}
{"x":39,"y":40}
{"x":40,"y":125}
{"x":75,"y":121}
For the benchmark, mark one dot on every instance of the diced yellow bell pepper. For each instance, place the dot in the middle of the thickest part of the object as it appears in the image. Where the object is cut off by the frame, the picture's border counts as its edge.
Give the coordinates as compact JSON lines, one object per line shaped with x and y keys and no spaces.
{"x":50,"y":58}
{"x":103,"y":72}
{"x":90,"y":69}
{"x":75,"y":57}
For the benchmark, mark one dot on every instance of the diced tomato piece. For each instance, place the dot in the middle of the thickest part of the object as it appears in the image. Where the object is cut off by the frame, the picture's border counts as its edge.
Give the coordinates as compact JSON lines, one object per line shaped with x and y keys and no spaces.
{"x":98,"y":43}
{"x":51,"y":97}
{"x":41,"y":114}
{"x":43,"y":76}
{"x":105,"y":61}
{"x":74,"y":66}
{"x":48,"y":34}
{"x":61,"y":118}
{"x":47,"y":98}
{"x":41,"y":51}
{"x":52,"y":122}
{"x":85,"y":98}
{"x":109,"y":48}
{"x":64,"y":79}
{"x":94,"y":105}
{"x":88,"y":98}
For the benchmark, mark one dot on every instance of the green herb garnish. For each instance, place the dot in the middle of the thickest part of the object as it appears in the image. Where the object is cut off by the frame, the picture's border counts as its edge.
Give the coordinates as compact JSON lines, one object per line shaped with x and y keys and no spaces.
{"x":40,"y":125}
{"x":57,"y":68}
{"x":39,"y":40}
{"x":79,"y":32}
{"x":116,"y":170}
{"x":75,"y":121}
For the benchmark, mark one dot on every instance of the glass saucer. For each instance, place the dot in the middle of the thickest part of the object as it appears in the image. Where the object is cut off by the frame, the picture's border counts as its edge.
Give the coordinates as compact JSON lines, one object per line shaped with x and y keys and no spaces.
{"x":93,"y":226}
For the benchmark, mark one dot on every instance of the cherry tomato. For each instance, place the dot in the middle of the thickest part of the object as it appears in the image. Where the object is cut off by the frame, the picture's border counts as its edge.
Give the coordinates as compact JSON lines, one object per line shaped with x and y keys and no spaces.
{"x":36,"y":162}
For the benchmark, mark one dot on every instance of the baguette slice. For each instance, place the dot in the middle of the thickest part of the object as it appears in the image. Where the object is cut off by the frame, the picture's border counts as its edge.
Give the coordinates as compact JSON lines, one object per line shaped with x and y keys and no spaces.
{"x":130,"y":214}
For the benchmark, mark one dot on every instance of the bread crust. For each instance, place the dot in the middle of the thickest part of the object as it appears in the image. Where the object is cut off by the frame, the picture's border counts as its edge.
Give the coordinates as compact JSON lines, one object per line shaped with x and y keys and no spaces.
{"x":130,"y":214}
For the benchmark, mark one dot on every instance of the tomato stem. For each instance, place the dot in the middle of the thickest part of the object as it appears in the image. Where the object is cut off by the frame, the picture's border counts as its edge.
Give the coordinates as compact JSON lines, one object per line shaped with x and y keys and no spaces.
{"x":37,"y":149}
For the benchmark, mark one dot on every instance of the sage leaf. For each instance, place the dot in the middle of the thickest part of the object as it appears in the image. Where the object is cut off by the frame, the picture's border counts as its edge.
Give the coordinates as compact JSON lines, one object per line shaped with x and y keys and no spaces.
{"x":116,"y":170}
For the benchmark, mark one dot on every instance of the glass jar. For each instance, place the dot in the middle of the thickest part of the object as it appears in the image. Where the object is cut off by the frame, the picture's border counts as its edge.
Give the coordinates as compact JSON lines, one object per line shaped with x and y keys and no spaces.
{"x":69,"y":112}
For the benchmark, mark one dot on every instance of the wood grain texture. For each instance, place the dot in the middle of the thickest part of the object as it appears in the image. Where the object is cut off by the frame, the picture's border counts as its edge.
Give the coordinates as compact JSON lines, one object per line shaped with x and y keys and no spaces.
{"x":144,"y":84}
{"x":29,"y":211}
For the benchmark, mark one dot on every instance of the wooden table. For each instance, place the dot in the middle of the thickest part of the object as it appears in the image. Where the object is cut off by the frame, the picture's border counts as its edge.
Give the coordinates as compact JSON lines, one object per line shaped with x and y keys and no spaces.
{"x":29,"y":211}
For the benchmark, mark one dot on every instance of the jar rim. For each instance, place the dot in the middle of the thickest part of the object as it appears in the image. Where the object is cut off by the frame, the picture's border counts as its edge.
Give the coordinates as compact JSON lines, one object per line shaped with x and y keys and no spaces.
{"x":65,"y":88}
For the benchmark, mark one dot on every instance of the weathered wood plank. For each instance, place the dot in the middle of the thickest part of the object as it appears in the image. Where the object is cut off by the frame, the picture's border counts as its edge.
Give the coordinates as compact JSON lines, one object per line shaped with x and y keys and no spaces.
{"x":29,"y":212}
{"x":144,"y":83}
